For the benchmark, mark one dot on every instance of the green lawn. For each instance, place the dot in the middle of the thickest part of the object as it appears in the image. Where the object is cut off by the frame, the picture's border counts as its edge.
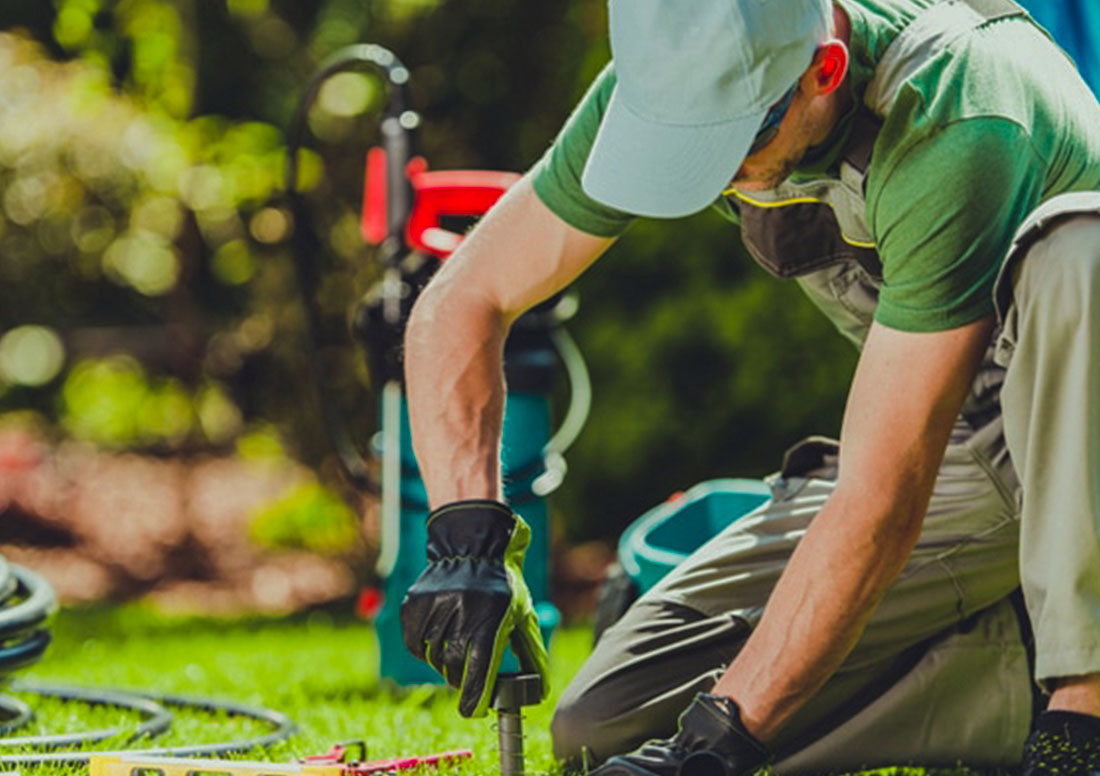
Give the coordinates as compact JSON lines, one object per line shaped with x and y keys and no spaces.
{"x":320,"y":671}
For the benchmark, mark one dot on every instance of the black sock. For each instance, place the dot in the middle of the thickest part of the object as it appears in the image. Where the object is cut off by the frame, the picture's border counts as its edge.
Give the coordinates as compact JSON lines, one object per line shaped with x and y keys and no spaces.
{"x":1063,"y":743}
{"x":1068,"y":723}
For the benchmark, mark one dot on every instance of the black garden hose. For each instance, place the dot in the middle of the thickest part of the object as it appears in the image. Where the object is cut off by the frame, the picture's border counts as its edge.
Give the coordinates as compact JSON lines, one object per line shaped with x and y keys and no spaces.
{"x":157,"y":719}
{"x":27,"y":602}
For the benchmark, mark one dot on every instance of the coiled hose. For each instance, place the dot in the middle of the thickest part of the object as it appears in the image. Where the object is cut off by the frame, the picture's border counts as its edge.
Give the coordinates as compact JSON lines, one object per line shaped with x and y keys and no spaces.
{"x":27,"y":603}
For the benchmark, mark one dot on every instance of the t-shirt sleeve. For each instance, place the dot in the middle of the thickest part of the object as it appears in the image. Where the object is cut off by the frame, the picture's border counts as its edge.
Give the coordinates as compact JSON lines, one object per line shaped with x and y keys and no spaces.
{"x":557,"y":175}
{"x":944,"y":214}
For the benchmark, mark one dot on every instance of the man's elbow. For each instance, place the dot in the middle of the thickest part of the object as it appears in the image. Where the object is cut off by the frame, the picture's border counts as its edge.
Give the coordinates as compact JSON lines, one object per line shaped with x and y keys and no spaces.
{"x":892,"y":515}
{"x":424,"y":314}
{"x":446,"y":311}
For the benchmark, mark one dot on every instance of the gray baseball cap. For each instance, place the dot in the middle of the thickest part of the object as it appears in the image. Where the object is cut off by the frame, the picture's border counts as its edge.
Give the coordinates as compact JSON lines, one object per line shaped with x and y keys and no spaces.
{"x":695,"y":81}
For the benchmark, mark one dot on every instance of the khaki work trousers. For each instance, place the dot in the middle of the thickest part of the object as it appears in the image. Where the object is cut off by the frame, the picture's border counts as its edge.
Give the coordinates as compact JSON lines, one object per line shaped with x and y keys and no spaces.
{"x":942,"y":674}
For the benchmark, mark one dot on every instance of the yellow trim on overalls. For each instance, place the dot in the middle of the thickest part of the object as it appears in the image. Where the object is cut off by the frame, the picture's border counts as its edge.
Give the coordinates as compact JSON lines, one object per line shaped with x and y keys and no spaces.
{"x":761,"y":203}
{"x":793,"y":201}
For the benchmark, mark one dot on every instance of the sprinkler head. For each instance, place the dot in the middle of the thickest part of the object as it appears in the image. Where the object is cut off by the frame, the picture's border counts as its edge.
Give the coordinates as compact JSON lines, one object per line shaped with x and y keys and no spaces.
{"x":511,"y":693}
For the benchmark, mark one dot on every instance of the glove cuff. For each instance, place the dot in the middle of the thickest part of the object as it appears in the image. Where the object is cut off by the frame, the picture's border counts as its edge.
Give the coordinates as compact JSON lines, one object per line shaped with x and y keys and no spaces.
{"x":472,"y":528}
{"x":470,"y":504}
{"x":711,"y":729}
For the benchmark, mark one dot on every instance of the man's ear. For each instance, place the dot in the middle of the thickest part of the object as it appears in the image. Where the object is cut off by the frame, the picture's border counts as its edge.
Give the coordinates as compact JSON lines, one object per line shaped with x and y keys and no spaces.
{"x":829,"y":68}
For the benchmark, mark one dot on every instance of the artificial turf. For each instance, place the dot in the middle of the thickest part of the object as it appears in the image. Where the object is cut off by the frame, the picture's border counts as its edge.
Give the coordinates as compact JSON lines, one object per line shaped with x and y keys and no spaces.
{"x":318,"y":669}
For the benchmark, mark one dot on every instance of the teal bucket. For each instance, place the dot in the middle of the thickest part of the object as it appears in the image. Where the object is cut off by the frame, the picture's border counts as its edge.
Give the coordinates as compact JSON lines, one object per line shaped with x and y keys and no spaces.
{"x":663,"y":537}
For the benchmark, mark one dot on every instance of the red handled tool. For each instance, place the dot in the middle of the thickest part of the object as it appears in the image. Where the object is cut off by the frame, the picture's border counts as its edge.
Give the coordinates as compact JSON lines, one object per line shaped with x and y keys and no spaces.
{"x":436,"y":195}
{"x":338,"y":755}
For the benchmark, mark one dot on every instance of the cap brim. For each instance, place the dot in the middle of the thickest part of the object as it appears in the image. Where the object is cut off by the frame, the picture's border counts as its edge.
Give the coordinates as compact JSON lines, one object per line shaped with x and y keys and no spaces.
{"x":663,"y":170}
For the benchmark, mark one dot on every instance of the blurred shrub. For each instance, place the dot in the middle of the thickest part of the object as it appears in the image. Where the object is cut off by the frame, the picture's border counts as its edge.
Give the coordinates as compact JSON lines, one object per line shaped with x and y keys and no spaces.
{"x":30,"y":355}
{"x":113,"y":403}
{"x":152,"y":34}
{"x":98,"y":185}
{"x":128,"y":226}
{"x":309,"y":517}
{"x":261,"y":444}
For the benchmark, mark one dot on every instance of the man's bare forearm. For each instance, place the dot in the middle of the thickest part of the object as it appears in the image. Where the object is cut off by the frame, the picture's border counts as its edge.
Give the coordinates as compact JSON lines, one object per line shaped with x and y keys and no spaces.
{"x":455,"y":385}
{"x":818,"y":610}
{"x":906,"y":393}
{"x":518,"y":255}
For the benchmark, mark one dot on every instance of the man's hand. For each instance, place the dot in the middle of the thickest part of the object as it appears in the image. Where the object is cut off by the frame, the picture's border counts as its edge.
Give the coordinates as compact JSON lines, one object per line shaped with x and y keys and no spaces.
{"x":471,"y":601}
{"x":711,"y":741}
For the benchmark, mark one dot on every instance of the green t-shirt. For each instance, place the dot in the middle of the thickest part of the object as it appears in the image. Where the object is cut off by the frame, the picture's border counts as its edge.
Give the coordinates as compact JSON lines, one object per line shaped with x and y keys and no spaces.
{"x":987,"y":130}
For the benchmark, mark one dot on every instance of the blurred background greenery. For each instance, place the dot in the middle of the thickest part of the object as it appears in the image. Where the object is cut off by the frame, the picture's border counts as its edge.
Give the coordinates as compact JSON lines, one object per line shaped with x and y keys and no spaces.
{"x":147,"y":297}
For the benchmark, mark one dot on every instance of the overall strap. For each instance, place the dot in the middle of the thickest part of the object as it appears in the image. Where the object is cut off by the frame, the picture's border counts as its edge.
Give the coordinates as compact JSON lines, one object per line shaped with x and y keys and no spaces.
{"x":925,"y":37}
{"x":861,"y":143}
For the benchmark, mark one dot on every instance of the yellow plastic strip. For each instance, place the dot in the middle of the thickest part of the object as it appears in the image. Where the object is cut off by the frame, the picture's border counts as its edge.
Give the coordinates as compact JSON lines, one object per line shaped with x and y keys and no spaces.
{"x":761,"y":203}
{"x":147,"y":765}
{"x":793,"y":201}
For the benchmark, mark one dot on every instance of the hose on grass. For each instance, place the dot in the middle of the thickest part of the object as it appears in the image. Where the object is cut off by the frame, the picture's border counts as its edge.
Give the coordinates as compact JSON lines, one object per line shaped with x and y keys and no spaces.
{"x":27,"y":603}
{"x":157,"y":719}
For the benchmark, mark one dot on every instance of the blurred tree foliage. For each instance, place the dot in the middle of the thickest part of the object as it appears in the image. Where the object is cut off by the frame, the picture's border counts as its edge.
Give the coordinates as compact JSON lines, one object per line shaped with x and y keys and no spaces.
{"x":309,"y":516}
{"x":141,"y":152}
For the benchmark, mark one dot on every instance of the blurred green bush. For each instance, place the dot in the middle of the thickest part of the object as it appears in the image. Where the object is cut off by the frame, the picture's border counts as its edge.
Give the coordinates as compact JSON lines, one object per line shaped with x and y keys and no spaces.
{"x":309,"y":517}
{"x":113,"y":403}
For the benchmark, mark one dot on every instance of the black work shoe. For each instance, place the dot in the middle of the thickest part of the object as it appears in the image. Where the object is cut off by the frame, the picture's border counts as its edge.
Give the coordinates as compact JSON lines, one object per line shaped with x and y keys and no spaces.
{"x":711,"y":742}
{"x":1063,"y":743}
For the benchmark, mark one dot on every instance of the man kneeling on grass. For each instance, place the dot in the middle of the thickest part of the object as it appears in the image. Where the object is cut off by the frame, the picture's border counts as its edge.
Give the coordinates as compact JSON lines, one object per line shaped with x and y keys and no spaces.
{"x":923,"y":168}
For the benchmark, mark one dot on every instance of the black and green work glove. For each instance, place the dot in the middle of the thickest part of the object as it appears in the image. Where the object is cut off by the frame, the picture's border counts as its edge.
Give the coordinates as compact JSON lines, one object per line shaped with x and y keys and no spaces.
{"x":471,"y":600}
{"x":711,"y":741}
